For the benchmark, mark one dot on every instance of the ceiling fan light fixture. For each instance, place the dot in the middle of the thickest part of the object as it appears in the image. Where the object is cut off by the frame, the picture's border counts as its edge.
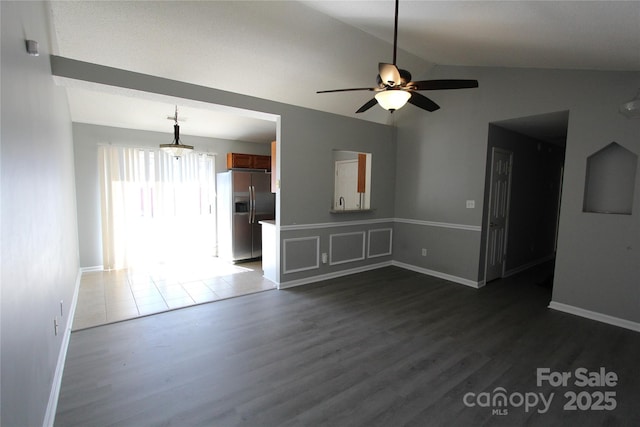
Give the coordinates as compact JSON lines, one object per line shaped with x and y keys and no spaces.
{"x":395,"y":87}
{"x":392,"y":99}
{"x":631,"y":109}
{"x":176,"y":149}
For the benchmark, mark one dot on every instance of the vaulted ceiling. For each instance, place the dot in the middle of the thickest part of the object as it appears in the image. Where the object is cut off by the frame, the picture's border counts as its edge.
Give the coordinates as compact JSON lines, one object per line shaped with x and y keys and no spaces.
{"x":287,"y":50}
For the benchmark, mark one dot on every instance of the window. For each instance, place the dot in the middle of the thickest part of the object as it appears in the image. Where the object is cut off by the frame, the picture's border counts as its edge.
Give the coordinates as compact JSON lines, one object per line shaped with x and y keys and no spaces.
{"x":155,"y":208}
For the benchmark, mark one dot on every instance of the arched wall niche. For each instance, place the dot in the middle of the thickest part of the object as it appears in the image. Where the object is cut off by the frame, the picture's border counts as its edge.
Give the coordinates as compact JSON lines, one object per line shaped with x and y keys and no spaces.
{"x":610,"y":180}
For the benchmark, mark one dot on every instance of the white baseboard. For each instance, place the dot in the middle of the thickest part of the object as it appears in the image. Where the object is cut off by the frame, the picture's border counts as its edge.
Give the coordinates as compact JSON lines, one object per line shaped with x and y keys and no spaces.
{"x":90,"y":269}
{"x":318,"y":278}
{"x":52,"y":406}
{"x":449,"y":277}
{"x":594,"y":315}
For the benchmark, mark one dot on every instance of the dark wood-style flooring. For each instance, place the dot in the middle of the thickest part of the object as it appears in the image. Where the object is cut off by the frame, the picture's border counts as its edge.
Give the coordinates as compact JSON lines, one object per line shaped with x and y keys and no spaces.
{"x":388,"y":347}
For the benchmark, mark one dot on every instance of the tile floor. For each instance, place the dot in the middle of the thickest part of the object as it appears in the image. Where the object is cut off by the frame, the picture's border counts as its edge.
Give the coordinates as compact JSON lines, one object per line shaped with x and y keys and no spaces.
{"x":112,"y":296}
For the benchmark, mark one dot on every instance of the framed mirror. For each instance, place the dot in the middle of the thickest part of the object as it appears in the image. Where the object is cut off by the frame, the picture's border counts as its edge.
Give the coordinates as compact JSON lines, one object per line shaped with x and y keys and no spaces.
{"x":352,"y":181}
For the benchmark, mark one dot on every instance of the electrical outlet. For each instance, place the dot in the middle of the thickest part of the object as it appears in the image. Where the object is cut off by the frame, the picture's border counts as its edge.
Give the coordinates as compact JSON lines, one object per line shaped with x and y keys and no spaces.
{"x":324,"y":258}
{"x":471,"y":204}
{"x":424,"y":252}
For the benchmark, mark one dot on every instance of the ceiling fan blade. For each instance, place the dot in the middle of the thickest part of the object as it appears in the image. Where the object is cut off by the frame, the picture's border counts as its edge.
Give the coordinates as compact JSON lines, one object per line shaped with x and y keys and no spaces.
{"x":346,"y":90}
{"x":423,"y":102}
{"x":368,"y":105}
{"x":389,"y":74}
{"x":443,"y":84}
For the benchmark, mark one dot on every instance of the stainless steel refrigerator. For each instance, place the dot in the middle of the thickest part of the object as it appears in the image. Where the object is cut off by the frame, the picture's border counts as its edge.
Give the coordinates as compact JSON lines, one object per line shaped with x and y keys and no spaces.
{"x":244,"y":199}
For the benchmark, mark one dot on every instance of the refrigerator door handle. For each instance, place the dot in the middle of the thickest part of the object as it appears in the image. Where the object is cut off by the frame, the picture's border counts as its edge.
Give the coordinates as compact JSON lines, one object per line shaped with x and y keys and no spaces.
{"x":252,"y":204}
{"x":253,"y":188}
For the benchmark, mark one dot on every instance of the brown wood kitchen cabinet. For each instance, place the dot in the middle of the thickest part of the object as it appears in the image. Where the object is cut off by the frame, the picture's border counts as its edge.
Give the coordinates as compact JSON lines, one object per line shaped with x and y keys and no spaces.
{"x":248,"y":161}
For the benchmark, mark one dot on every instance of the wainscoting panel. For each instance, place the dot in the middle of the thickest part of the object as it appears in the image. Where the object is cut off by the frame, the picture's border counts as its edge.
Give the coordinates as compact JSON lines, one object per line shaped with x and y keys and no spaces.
{"x":380,"y":242}
{"x":450,"y":251}
{"x":346,"y":247}
{"x":301,"y":254}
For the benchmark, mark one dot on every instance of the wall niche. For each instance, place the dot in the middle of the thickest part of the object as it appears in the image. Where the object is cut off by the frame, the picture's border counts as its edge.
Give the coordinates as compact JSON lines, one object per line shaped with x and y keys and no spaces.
{"x":610,"y":180}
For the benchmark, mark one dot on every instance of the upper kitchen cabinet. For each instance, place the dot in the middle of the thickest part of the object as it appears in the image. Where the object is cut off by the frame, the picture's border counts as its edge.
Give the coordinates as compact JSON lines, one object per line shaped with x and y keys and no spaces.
{"x":248,"y":161}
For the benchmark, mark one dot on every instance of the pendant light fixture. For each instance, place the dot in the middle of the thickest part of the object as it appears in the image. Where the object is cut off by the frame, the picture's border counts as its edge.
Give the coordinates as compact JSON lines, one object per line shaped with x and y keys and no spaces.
{"x":631,"y":109}
{"x":176,"y":149}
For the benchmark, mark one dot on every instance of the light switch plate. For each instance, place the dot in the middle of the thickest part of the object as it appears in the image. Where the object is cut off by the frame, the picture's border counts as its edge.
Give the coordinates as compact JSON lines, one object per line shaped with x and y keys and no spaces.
{"x":471,"y":204}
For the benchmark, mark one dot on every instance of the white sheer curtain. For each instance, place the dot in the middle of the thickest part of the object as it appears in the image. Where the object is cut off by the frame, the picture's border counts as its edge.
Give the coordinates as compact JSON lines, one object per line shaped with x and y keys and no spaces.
{"x":155,"y":208}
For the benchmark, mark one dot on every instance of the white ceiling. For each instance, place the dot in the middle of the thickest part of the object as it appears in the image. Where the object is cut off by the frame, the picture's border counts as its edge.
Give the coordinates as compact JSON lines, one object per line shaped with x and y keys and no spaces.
{"x":598,"y":35}
{"x":287,"y":50}
{"x":131,"y":110}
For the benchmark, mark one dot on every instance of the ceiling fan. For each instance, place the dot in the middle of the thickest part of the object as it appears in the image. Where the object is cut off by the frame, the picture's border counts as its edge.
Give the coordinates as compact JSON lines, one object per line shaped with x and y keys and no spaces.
{"x":395,"y":87}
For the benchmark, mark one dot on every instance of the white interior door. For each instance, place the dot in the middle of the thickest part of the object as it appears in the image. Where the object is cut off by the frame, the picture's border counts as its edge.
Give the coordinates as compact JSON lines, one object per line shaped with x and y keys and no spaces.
{"x":501,"y":161}
{"x":346,"y":185}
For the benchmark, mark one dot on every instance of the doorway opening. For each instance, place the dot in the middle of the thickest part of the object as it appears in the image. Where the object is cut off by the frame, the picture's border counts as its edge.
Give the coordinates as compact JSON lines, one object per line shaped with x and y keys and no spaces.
{"x":523,"y":190}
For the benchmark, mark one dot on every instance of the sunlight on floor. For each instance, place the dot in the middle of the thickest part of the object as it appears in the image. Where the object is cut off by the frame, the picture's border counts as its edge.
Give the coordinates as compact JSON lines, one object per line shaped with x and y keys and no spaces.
{"x":111,"y":296}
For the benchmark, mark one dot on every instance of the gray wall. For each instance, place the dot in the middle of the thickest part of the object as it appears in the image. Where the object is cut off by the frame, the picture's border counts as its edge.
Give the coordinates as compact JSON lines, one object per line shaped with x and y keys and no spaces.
{"x":441,"y":162}
{"x":308,"y":140}
{"x":86,"y":140}
{"x":39,"y":239}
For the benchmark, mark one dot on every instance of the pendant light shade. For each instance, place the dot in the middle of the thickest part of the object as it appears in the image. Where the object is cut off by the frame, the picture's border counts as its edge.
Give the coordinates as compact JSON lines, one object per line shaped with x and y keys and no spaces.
{"x":176,"y":149}
{"x":631,"y":109}
{"x":392,"y":99}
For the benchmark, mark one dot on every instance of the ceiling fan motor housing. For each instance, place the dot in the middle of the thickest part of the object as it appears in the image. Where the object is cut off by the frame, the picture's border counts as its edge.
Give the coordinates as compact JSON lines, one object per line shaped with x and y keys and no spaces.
{"x":405,"y":77}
